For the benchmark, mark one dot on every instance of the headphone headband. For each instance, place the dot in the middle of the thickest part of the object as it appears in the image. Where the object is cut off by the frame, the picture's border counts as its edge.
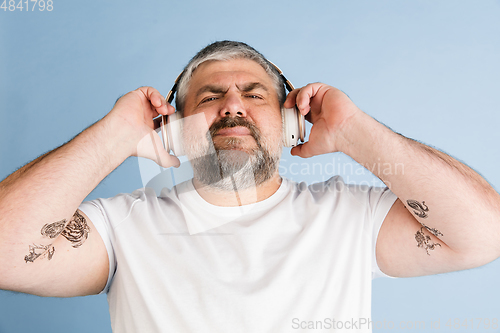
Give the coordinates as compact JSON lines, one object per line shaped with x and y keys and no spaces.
{"x":171,"y":93}
{"x":288,"y":85}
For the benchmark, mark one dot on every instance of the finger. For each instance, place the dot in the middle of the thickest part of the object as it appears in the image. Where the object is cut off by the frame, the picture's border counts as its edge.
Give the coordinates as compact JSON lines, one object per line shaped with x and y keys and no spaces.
{"x":152,"y":94}
{"x":290,"y":98}
{"x":156,"y":99}
{"x":164,"y":109}
{"x":160,"y":104}
{"x":170,"y":108}
{"x":303,"y":99}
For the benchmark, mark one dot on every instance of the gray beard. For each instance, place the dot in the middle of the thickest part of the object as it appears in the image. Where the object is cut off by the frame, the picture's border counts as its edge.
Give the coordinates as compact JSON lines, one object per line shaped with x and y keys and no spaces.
{"x":231,"y":169}
{"x":227,"y":168}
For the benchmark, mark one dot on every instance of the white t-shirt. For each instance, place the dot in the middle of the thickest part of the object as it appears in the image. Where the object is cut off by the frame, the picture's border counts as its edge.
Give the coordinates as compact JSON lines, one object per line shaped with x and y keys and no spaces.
{"x":301,"y":260}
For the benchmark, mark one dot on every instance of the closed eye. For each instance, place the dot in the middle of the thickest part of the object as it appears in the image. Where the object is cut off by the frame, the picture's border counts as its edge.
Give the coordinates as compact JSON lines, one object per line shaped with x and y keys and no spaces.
{"x":254,"y":96}
{"x":208,"y":99}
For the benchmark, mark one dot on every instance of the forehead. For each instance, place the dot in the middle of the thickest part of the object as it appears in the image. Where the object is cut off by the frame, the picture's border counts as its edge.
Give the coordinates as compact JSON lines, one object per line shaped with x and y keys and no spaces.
{"x":229,"y":71}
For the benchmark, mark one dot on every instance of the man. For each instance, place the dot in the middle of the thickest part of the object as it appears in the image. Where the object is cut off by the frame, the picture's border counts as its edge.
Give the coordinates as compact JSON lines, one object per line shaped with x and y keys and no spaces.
{"x":239,"y":248}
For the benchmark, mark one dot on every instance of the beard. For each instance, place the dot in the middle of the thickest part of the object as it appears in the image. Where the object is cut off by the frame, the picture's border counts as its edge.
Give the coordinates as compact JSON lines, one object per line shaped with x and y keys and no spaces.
{"x":226,"y":164}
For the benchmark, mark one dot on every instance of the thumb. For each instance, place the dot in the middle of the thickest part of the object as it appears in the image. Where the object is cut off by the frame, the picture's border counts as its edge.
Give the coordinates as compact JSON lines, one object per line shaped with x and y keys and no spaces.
{"x":302,"y":150}
{"x":164,"y":159}
{"x":151,"y":147}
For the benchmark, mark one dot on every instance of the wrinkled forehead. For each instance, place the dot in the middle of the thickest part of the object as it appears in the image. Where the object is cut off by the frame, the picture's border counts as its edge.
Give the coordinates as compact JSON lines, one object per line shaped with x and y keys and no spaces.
{"x":234,"y":69}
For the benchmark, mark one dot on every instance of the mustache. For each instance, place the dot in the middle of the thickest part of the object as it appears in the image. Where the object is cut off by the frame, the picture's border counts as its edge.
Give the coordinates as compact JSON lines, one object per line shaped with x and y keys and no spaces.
{"x":230,"y":122}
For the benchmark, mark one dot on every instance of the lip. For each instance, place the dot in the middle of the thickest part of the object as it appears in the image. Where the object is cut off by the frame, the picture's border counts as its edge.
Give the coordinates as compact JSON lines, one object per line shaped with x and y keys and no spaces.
{"x":234,"y":131}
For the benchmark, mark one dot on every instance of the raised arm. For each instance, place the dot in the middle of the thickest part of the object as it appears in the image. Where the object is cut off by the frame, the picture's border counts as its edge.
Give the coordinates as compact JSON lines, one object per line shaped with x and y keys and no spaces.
{"x":49,"y":248}
{"x":447,"y":217}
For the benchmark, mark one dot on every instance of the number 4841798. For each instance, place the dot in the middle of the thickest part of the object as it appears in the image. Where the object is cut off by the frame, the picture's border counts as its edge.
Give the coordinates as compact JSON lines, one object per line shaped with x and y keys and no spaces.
{"x":27,"y":5}
{"x":472,"y":323}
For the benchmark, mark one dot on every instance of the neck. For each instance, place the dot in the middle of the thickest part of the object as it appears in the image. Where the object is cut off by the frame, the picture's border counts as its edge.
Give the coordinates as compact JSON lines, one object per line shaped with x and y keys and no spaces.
{"x":238,"y":197}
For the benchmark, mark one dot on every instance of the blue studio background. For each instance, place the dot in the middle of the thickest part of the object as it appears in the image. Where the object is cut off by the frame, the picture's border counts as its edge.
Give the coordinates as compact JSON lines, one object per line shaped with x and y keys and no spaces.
{"x":428,"y":69}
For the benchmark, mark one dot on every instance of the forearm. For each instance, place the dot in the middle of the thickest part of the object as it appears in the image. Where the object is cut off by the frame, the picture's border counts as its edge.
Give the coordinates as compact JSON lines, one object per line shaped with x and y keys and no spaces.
{"x":451,"y":200}
{"x":51,"y":188}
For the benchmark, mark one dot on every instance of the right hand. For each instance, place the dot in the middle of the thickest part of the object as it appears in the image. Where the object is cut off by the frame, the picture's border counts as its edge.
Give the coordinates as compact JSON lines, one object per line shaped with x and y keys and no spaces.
{"x":135,"y":112}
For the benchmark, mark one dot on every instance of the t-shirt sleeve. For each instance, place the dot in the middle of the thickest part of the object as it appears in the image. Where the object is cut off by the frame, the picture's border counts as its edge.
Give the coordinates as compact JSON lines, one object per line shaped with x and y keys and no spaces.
{"x":381,"y":201}
{"x":95,"y":212}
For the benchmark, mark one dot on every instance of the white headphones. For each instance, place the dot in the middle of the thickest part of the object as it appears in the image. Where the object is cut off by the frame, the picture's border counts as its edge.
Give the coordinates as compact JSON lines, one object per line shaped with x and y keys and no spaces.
{"x":294,"y":127}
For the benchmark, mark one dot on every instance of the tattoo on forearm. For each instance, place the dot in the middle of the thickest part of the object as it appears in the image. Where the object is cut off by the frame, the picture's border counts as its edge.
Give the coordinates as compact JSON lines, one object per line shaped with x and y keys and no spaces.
{"x":76,"y":231}
{"x":419,"y":209}
{"x":425,"y":241}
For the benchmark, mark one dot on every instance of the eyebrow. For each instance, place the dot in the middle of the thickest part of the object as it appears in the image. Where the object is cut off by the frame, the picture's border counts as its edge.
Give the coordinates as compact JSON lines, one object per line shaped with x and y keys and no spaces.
{"x":252,"y":86}
{"x":212,"y":88}
{"x":216,"y":89}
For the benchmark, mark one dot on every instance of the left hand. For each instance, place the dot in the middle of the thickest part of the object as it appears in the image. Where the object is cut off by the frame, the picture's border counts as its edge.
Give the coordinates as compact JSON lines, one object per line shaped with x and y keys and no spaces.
{"x":329,"y":110}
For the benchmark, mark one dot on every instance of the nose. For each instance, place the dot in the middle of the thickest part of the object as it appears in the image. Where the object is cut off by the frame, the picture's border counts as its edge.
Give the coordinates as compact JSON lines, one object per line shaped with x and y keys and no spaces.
{"x":233,"y":106}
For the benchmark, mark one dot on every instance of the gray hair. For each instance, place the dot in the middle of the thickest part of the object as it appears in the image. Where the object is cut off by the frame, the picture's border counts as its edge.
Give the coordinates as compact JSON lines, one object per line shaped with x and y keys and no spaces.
{"x":223,"y":51}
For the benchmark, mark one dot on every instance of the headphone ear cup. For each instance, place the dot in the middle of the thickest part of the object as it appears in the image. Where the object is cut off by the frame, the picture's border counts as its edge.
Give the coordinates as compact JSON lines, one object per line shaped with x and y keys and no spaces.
{"x":293,"y":126}
{"x":174,"y":133}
